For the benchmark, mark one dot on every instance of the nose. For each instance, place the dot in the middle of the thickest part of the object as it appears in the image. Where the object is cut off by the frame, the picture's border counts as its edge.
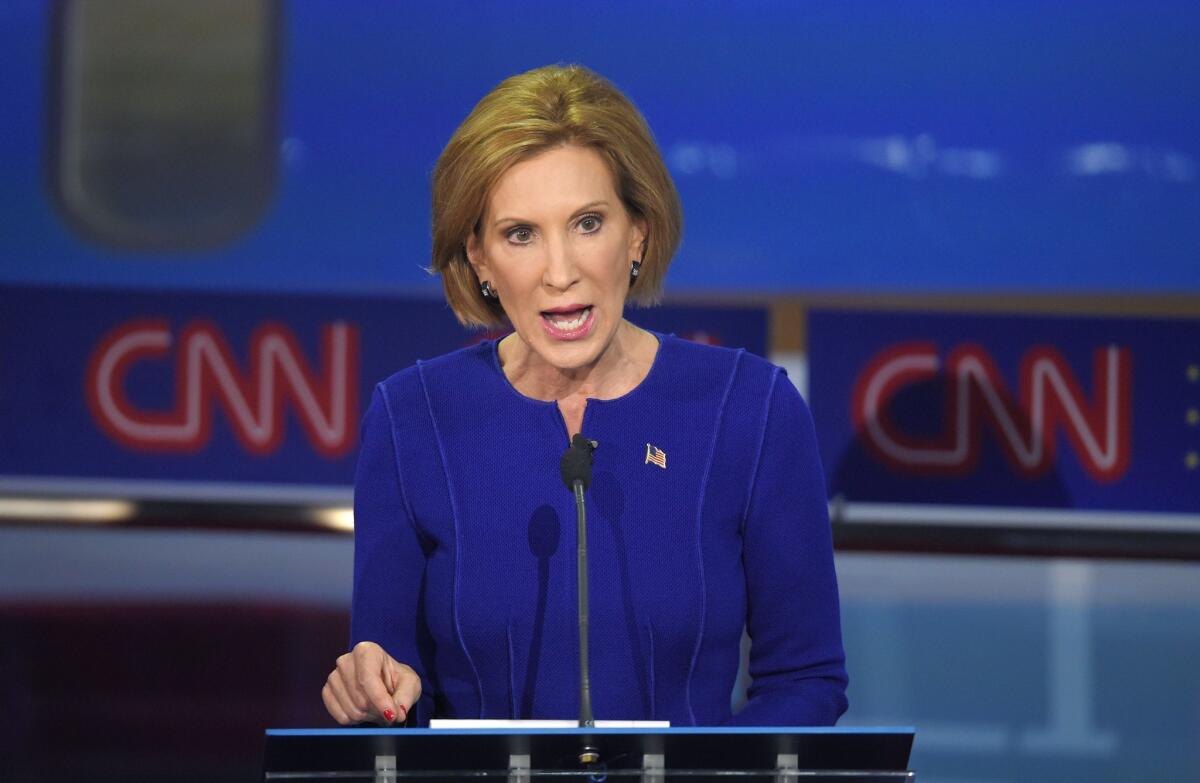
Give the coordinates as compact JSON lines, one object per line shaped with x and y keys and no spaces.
{"x":561,"y":270}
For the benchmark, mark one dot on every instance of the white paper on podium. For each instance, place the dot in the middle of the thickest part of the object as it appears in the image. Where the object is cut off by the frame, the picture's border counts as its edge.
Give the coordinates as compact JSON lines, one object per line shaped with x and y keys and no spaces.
{"x":476,"y":723}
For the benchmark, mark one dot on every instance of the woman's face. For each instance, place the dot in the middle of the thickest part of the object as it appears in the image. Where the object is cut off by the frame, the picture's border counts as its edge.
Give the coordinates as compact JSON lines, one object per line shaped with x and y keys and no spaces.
{"x":556,"y":244}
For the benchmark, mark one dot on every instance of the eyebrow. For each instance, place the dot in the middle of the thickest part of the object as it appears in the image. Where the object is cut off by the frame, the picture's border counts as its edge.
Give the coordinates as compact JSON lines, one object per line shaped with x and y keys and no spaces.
{"x":584,"y":208}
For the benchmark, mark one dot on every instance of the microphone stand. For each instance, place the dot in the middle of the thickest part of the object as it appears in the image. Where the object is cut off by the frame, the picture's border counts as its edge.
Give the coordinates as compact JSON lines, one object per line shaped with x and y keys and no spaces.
{"x":576,"y":470}
{"x":585,"y":685}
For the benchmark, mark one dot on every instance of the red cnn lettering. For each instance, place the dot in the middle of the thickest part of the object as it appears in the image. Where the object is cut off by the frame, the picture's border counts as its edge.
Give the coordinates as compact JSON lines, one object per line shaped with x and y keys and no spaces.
{"x":974,"y":396}
{"x":207,"y":376}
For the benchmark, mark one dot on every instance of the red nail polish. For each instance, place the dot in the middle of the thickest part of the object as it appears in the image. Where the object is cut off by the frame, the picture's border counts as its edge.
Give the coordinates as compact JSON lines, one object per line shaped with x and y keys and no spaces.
{"x":403,"y":714}
{"x":389,"y":716}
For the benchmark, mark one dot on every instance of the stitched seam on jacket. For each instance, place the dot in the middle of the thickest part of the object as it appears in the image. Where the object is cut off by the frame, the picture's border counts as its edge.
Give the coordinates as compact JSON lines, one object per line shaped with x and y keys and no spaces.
{"x":737,"y":360}
{"x":653,"y":702}
{"x":387,"y":408}
{"x":762,"y":441}
{"x":408,"y":512}
{"x":437,"y":435}
{"x":512,"y":673}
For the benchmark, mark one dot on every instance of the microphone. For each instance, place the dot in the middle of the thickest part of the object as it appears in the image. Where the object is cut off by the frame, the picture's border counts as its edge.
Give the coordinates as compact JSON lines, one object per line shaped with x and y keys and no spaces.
{"x":576,"y":469}
{"x":577,"y":462}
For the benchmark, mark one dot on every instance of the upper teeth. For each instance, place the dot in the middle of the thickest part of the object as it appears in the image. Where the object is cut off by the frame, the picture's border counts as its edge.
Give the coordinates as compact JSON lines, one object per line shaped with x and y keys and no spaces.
{"x":574,"y":322}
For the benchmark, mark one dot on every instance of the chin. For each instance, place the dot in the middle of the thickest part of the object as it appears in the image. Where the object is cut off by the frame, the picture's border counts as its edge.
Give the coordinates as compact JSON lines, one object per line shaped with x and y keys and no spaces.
{"x":571,"y":356}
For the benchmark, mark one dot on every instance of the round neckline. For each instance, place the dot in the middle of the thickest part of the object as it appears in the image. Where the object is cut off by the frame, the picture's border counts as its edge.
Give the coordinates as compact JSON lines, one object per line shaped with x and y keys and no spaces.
{"x":494,"y":350}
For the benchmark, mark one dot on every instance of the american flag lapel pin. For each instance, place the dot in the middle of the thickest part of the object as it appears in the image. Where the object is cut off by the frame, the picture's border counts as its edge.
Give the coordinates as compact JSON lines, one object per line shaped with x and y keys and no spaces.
{"x":656,"y":455}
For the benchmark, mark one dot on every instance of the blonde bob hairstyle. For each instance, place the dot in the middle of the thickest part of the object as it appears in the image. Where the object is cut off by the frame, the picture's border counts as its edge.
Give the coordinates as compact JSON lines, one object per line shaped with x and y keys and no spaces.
{"x":523,"y":116}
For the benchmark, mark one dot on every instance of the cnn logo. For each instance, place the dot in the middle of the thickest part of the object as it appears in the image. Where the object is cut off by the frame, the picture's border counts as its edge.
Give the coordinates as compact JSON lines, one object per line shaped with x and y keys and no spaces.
{"x":207,"y":377}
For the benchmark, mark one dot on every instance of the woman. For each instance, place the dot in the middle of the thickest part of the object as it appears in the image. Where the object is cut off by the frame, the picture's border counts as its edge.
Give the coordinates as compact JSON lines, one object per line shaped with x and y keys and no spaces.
{"x":551,"y":209}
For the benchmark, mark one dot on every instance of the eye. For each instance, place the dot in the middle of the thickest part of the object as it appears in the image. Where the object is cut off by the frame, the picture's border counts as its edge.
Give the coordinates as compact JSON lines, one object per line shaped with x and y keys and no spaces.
{"x":590,"y":224}
{"x":520,"y":235}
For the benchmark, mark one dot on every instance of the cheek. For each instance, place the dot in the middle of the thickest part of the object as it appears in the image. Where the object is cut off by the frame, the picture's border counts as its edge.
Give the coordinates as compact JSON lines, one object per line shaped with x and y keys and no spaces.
{"x":508,"y":265}
{"x":608,"y":268}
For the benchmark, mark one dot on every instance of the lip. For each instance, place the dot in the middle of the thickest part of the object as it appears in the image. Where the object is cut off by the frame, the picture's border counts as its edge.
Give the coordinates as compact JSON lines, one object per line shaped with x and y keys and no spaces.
{"x":565,"y":308}
{"x":578,"y":333}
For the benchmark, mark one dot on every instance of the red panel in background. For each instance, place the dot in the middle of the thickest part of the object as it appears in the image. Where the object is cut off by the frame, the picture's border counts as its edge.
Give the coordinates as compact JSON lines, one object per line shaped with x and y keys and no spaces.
{"x":139,"y":692}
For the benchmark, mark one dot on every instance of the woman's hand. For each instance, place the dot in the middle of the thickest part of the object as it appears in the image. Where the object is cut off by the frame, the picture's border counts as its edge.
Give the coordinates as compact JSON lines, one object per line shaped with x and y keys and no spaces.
{"x":370,"y":685}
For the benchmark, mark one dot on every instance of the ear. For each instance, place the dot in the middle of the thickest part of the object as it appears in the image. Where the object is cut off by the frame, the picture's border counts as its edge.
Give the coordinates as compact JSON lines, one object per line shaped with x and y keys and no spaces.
{"x":637,"y":240}
{"x":475,"y":256}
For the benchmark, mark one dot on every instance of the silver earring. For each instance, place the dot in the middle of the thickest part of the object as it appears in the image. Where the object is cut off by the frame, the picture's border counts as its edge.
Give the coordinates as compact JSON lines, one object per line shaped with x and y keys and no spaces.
{"x":485,"y":288}
{"x":634,"y":269}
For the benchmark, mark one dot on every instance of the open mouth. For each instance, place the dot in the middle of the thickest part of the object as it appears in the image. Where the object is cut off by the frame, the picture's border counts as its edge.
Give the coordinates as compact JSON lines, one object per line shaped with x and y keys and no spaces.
{"x":568,"y":324}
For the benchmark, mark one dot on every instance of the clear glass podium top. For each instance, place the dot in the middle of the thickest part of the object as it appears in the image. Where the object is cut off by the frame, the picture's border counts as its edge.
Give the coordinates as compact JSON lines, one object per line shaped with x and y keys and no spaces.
{"x":870,"y":755}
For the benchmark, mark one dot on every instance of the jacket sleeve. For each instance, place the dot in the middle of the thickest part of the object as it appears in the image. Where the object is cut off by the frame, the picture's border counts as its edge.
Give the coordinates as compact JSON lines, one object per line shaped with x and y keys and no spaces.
{"x":797,"y":664}
{"x":389,"y":560}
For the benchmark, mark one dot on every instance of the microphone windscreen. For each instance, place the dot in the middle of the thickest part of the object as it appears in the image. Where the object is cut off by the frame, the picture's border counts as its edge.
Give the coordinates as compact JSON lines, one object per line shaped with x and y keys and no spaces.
{"x":576,"y":463}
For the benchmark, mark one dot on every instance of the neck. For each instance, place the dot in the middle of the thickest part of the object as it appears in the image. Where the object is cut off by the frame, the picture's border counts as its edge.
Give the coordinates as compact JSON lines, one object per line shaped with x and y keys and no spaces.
{"x":621,"y":366}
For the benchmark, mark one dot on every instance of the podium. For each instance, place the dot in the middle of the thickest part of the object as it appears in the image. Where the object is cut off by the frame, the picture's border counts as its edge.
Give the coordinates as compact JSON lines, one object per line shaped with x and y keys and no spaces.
{"x":780,"y":755}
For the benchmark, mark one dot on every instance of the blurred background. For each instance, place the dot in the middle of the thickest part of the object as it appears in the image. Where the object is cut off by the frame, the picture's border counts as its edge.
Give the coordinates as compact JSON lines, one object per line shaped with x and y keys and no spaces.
{"x":970,"y":232}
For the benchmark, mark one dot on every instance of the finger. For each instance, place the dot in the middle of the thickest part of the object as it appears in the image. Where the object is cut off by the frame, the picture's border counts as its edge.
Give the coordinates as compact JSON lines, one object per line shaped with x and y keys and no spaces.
{"x":345,"y":701}
{"x":333,"y":707}
{"x":407,"y":690}
{"x":370,"y":671}
{"x":352,"y":695}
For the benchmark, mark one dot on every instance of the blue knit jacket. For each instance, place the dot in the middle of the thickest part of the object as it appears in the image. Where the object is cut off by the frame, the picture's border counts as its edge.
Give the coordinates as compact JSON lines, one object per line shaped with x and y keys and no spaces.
{"x":464,"y":563}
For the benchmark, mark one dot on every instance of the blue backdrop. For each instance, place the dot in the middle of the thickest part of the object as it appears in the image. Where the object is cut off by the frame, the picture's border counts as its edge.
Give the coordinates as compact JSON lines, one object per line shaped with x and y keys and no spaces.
{"x":874,"y":146}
